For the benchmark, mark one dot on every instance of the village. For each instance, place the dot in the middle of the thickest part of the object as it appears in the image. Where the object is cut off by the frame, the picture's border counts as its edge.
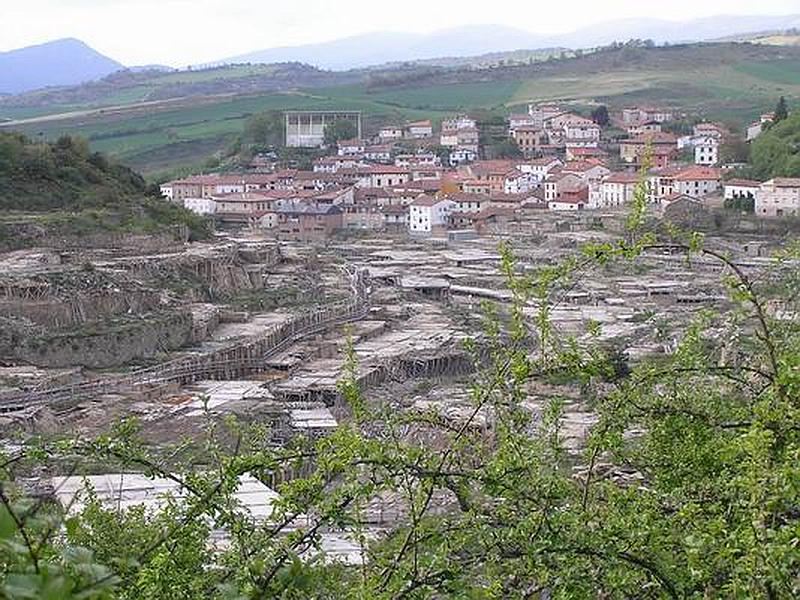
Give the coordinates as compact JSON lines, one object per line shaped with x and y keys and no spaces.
{"x":388,"y":244}
{"x":413,"y":180}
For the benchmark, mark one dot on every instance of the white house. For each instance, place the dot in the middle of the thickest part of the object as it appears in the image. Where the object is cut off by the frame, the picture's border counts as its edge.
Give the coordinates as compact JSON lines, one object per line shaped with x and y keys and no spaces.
{"x":388,"y":176}
{"x":543,"y":112}
{"x":461,"y":156}
{"x":523,"y":120}
{"x":540,"y":167}
{"x":419,"y":130}
{"x":617,"y":189}
{"x":350,"y":147}
{"x":706,"y":150}
{"x":756,"y":128}
{"x":390,"y":133}
{"x":697,"y":181}
{"x":427,"y":214}
{"x":201,"y":206}
{"x":517,"y":182}
{"x":581,"y":132}
{"x":166,"y":190}
{"x":736,"y":189}
{"x":779,"y":197}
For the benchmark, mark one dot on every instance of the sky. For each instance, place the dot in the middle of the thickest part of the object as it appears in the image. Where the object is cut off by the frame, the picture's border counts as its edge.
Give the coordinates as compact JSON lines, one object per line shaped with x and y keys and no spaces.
{"x":184,"y":32}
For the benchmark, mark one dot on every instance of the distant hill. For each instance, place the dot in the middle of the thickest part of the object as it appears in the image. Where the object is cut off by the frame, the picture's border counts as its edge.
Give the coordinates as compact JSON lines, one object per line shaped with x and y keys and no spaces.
{"x":62,"y":62}
{"x":392,"y":47}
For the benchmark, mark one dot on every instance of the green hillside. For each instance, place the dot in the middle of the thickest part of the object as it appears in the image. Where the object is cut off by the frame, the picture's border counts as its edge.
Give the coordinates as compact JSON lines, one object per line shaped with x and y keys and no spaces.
{"x":66,"y":188}
{"x":728,"y":81}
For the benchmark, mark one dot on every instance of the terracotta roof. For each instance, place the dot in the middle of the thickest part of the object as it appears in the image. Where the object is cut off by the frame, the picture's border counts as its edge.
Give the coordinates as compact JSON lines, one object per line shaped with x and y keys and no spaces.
{"x":790,"y":182}
{"x":655,"y":137}
{"x":698,"y":173}
{"x":742,"y":182}
{"x":623,"y":177}
{"x":425,"y":200}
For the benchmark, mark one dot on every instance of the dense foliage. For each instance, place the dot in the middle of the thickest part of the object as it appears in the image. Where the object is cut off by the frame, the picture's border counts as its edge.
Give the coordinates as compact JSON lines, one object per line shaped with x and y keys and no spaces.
{"x":776,"y":152}
{"x":75,"y":185}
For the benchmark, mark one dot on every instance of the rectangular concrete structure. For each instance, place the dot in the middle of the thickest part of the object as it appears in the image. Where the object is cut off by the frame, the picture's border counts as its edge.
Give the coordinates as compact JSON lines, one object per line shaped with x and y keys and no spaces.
{"x":306,"y":128}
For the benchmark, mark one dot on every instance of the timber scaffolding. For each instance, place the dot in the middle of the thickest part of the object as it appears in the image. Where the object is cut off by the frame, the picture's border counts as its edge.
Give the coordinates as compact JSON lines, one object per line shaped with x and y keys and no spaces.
{"x":456,"y":363}
{"x":236,"y":360}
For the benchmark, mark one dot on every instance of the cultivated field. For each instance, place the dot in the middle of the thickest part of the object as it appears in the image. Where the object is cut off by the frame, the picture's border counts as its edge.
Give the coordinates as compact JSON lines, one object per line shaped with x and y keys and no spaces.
{"x":729,"y":82}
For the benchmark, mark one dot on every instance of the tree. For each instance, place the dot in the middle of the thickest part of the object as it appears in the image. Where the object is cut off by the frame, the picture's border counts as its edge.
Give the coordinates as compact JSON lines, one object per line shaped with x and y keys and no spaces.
{"x":781,"y":110}
{"x":265,"y":129}
{"x":341,"y":129}
{"x":600,"y":115}
{"x":507,"y":148}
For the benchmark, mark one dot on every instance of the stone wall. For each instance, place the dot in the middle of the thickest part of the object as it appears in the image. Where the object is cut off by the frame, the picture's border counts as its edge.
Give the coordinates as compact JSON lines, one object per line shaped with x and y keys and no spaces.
{"x":110,"y":345}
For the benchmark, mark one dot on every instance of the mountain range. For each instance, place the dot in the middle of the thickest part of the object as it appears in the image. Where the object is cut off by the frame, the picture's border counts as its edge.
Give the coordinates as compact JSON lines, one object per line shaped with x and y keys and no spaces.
{"x":386,"y":47}
{"x":61,"y":62}
{"x":70,"y":61}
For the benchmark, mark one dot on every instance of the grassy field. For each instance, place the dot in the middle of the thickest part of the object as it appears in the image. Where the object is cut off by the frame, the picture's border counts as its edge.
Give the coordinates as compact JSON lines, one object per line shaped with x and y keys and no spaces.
{"x":160,"y":136}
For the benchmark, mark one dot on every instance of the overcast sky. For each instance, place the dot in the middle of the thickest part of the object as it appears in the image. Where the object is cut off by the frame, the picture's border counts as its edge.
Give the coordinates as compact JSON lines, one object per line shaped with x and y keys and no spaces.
{"x":182,"y":32}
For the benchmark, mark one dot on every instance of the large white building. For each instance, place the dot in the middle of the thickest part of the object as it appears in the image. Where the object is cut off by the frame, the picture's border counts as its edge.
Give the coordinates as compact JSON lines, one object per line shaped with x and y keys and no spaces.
{"x":427,"y":214}
{"x":306,"y":129}
{"x":779,"y":197}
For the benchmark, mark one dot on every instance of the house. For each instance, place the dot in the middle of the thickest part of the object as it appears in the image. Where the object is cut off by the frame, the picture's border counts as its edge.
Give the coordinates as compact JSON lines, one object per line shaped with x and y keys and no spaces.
{"x":779,"y":197}
{"x":559,"y":185}
{"x":757,"y":127}
{"x":428,"y":214}
{"x":390,"y":133}
{"x":540,"y":113}
{"x":459,"y":122}
{"x":518,"y":182}
{"x":714,"y":130}
{"x":362,"y":217}
{"x":529,"y":138}
{"x":201,"y":206}
{"x":419,"y":130}
{"x":380,"y":153}
{"x":741,"y":189}
{"x":468,"y":138}
{"x":237,"y":207}
{"x":476,"y":186}
{"x":661,"y":147}
{"x":580,"y":132}
{"x":462,"y":156}
{"x":492,"y":172}
{"x":516,"y":121}
{"x":540,"y":167}
{"x":350,"y":147}
{"x":460,"y":133}
{"x":571,"y":201}
{"x":395,"y":217}
{"x":334,"y":164}
{"x":697,"y":181}
{"x":588,"y":171}
{"x":706,"y":150}
{"x":307,"y":221}
{"x":634,"y":115}
{"x":388,"y":176}
{"x":586,"y":153}
{"x":468,"y":203}
{"x":638,"y":129}
{"x":617,"y":189}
